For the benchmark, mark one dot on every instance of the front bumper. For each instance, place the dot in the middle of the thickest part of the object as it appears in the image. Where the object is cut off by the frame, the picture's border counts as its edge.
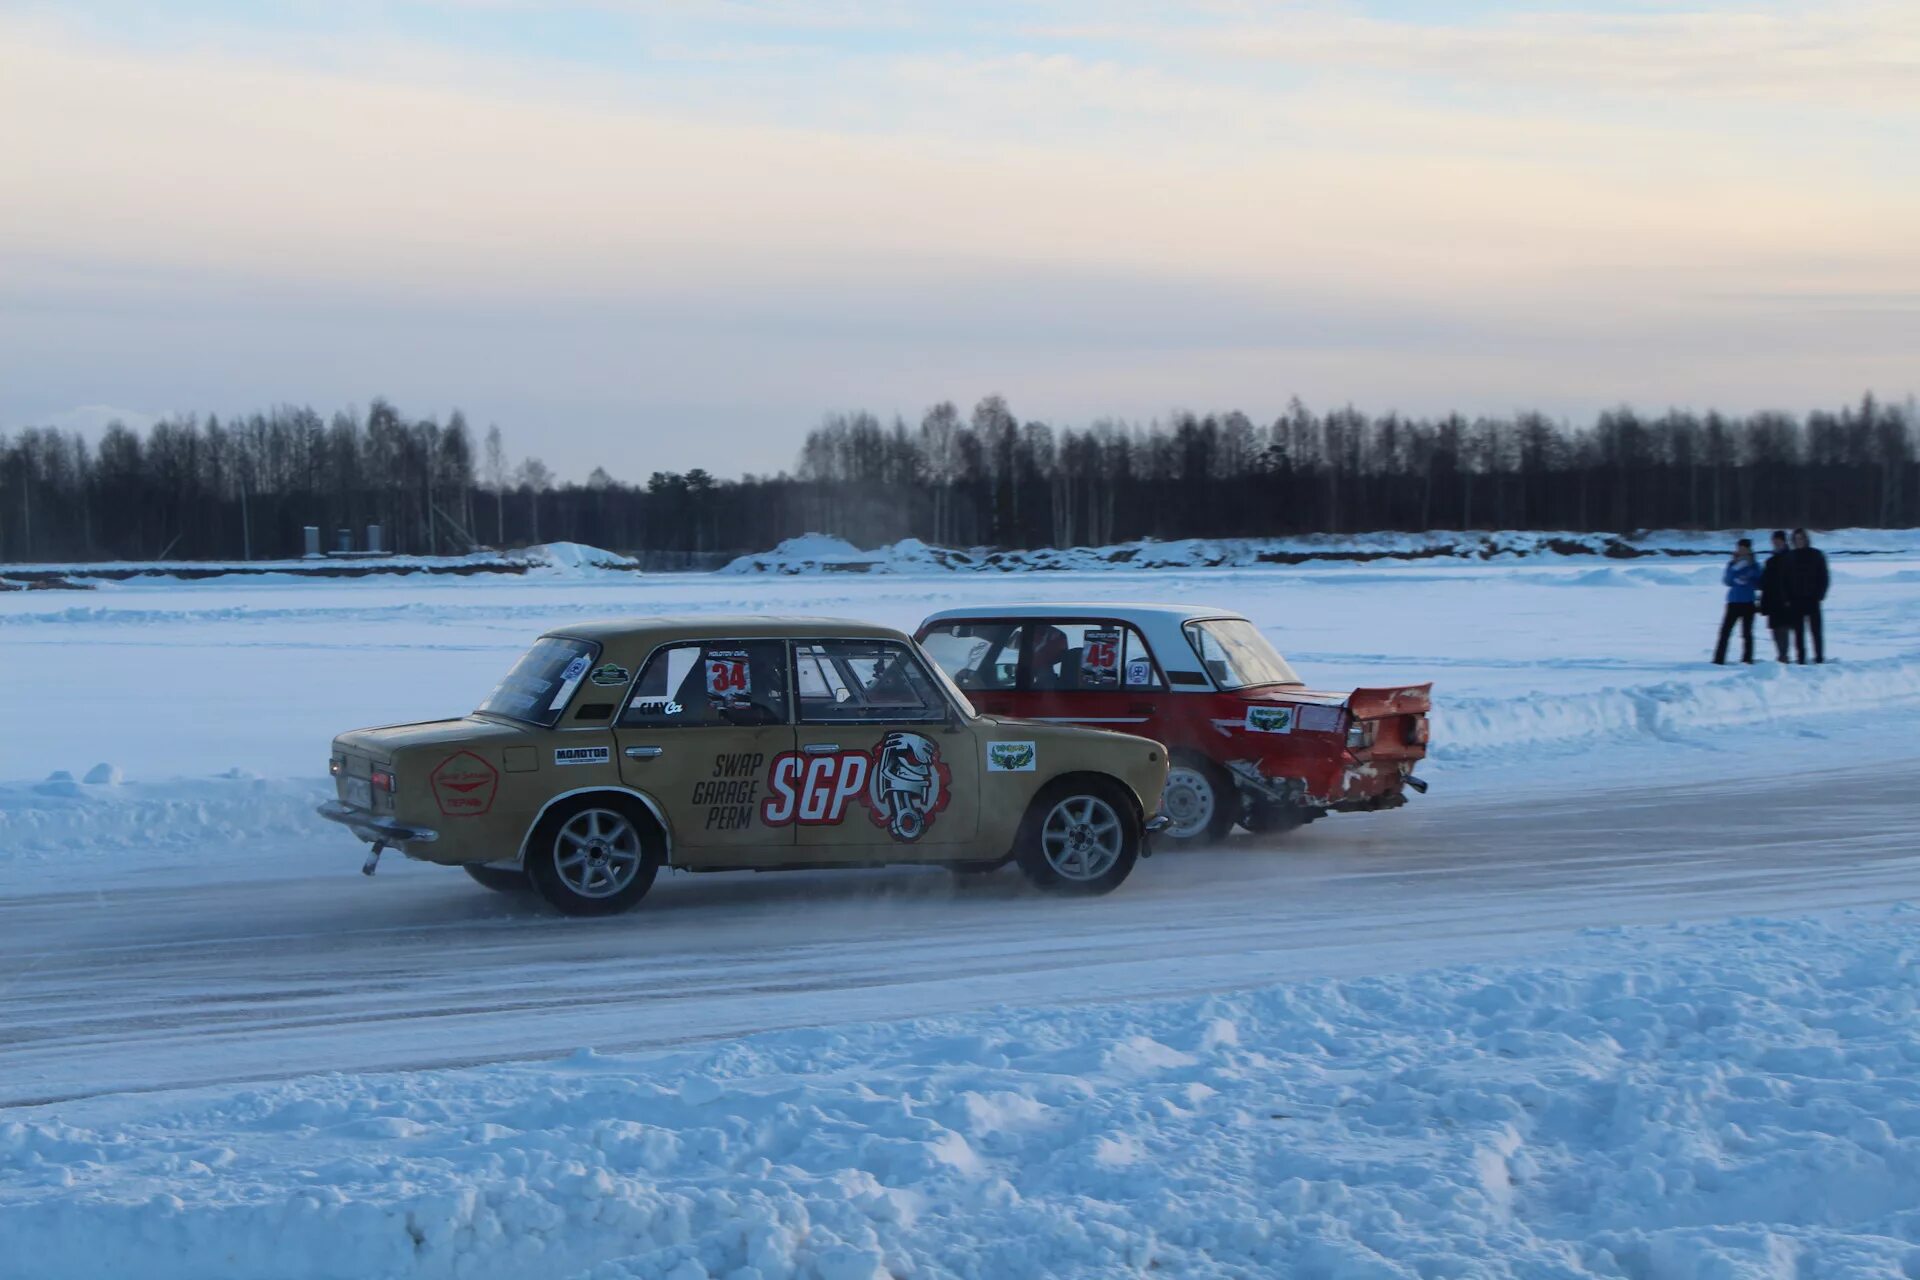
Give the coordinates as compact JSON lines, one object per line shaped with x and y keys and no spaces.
{"x":373,"y":828}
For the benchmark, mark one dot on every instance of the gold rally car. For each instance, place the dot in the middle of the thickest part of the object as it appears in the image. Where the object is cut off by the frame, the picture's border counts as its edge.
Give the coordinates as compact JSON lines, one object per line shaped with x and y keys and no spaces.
{"x":614,"y":749}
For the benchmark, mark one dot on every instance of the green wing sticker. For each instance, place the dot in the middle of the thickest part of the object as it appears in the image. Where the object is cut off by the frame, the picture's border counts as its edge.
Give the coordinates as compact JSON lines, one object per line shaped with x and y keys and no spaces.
{"x":1012,"y":757}
{"x":1270,"y":719}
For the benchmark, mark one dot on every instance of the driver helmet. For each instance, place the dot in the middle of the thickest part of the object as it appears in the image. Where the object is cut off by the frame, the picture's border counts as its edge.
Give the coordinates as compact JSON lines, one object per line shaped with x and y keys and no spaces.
{"x":1049,"y":646}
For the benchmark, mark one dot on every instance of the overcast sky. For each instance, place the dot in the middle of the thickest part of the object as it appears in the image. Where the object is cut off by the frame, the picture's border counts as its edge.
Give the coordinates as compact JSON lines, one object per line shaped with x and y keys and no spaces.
{"x":663,"y":235}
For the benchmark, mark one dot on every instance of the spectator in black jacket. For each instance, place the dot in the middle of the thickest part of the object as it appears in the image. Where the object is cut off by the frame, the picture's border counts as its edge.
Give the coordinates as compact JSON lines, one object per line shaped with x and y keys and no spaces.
{"x":1807,"y":586}
{"x":1775,"y":604}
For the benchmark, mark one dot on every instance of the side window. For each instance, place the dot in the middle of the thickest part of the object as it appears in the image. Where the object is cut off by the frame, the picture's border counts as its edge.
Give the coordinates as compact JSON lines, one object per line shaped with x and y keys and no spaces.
{"x":712,"y":682}
{"x":843,"y":681}
{"x":1138,"y":670}
{"x":1091,"y":657}
{"x":976,"y":655}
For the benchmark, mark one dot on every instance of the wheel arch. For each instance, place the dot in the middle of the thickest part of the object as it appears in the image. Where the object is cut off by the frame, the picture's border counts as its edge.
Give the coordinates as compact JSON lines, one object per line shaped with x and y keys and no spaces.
{"x":647,"y":803}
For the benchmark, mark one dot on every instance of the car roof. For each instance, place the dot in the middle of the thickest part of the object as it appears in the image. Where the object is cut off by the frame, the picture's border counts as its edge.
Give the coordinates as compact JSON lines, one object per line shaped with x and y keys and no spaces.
{"x":745,"y":626}
{"x":1088,"y":609}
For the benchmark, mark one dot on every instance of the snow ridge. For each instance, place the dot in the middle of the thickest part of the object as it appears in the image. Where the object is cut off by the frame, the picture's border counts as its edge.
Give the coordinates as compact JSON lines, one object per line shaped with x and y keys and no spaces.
{"x":63,"y":823}
{"x":1486,"y":729}
{"x":823,"y":553}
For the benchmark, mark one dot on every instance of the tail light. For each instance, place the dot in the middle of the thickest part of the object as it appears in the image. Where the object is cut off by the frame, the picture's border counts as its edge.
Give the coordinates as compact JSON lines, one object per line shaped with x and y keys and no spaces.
{"x":383,"y":780}
{"x":336,"y":766}
{"x":1417,"y":730}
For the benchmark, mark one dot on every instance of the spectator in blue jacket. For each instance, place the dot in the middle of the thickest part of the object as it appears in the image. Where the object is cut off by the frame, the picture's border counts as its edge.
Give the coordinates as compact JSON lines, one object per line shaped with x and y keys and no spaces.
{"x":1742,"y":579}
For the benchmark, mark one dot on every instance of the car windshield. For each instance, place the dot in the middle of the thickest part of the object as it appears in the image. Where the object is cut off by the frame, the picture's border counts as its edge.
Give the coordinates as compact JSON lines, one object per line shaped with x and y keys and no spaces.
{"x":1236,"y":655}
{"x":953,"y":690}
{"x":541,"y":683}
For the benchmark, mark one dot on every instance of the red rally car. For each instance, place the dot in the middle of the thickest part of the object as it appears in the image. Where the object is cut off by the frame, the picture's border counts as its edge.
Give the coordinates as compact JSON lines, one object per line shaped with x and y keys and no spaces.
{"x":1249,"y":742}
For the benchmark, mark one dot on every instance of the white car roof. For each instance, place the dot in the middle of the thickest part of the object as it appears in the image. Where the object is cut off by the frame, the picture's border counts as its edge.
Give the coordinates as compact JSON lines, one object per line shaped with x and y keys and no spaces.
{"x":1160,"y":623}
{"x":1128,"y":612}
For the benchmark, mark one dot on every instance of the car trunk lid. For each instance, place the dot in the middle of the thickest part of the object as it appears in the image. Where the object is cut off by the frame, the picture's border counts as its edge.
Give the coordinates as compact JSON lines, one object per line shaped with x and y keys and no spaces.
{"x":1397,"y":717}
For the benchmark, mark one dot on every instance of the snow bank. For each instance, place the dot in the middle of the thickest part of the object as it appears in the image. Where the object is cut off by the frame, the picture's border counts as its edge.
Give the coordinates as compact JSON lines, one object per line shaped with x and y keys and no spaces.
{"x":60,"y":827}
{"x":576,"y":559}
{"x":563,"y":559}
{"x":1724,"y":1101}
{"x":822,"y":553}
{"x":1466,"y":730}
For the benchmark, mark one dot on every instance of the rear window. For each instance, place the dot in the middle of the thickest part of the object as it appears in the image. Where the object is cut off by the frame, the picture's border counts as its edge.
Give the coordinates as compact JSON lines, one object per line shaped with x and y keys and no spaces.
{"x":976,"y":655}
{"x":541,"y":684}
{"x":1089,"y":657}
{"x":1236,"y":655}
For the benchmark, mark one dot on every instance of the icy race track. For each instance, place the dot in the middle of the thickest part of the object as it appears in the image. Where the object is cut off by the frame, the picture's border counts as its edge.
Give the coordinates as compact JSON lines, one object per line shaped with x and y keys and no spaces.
{"x":1411,"y":1044}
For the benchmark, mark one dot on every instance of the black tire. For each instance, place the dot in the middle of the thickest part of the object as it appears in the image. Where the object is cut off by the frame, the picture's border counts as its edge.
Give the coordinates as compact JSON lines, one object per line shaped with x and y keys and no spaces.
{"x":1269,"y":819}
{"x":1068,"y":822}
{"x":499,"y":879}
{"x":1201,"y":801}
{"x":578,"y":879}
{"x":971,"y":869}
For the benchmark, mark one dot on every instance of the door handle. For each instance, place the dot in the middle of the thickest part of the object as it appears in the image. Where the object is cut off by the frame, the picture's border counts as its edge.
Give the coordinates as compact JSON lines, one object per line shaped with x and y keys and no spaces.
{"x":641,"y":753}
{"x":1140,"y":709}
{"x":820,"y":748}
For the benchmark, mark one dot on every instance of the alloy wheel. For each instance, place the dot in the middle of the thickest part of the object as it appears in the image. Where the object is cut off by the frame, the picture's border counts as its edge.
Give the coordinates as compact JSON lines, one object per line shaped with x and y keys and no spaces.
{"x":1082,"y":838}
{"x":597,"y":853}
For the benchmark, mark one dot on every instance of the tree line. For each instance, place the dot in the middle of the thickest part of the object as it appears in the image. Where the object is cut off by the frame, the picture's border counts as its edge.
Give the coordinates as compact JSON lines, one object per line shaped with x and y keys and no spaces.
{"x":193,"y":488}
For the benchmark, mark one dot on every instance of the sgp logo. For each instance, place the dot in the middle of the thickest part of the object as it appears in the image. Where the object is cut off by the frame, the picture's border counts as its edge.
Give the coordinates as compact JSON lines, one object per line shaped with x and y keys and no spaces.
{"x":813,"y":790}
{"x":903,"y":783}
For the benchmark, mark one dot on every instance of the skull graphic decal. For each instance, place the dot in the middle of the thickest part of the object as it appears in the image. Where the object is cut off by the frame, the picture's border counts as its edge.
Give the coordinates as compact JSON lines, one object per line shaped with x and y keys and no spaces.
{"x":908,"y":785}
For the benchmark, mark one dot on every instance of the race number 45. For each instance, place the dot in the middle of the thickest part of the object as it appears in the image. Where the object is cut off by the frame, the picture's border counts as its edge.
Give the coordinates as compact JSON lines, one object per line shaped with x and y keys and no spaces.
{"x":1100,"y":659}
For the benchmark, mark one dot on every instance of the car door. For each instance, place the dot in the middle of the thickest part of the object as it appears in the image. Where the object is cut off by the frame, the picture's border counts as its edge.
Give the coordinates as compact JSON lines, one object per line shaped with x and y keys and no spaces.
{"x":1092,"y":671}
{"x":699,"y":733}
{"x":884,"y":767}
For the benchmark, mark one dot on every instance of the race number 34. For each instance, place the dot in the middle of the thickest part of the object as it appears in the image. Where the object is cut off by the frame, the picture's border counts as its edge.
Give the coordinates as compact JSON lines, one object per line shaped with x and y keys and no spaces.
{"x":727,"y":675}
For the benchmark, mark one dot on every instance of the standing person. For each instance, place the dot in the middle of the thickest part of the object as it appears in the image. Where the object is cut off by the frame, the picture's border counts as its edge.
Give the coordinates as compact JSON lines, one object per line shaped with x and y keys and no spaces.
{"x":1775,"y":602}
{"x":1742,"y":580}
{"x":1807,"y":585}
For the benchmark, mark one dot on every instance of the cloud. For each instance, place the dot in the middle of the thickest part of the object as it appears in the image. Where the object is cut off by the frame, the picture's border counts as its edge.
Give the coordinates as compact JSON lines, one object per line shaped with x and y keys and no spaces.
{"x":257,"y":170}
{"x":1839,"y":54}
{"x":1116,"y":224}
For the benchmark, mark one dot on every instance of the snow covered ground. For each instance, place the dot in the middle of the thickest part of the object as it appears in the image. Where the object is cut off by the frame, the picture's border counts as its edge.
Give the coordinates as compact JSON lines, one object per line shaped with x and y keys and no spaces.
{"x":1390,"y":1045}
{"x":1736,"y":1100}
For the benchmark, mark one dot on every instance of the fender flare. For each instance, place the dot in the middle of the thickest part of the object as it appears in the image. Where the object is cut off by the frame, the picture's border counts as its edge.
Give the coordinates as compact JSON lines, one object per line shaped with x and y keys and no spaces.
{"x":652,"y":807}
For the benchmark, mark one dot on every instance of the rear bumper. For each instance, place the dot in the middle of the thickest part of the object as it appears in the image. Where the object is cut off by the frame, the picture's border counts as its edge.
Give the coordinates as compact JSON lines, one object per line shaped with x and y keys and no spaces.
{"x":372,"y":827}
{"x":1350,"y":786}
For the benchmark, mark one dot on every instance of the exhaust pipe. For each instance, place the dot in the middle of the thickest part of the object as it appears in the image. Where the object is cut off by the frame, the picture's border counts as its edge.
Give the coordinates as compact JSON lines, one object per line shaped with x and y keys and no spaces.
{"x":1416,"y":784}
